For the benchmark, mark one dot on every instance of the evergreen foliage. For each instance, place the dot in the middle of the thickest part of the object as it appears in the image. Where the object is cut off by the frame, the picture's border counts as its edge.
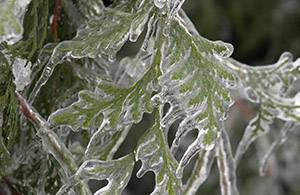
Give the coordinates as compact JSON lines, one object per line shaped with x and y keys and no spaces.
{"x":68,"y":103}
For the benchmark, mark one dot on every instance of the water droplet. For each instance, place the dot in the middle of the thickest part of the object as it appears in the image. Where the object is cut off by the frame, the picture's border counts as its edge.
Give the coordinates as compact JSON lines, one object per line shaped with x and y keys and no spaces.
{"x":112,"y":57}
{"x":134,"y":35}
{"x":252,"y":95}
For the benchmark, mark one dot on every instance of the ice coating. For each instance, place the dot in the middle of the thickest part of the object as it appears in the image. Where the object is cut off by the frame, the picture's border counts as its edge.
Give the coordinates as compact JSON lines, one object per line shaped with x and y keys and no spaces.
{"x":11,"y":19}
{"x":188,"y":67}
{"x":56,"y":58}
{"x":22,"y":73}
{"x":226,"y":165}
{"x":201,"y":171}
{"x":252,"y":95}
{"x":160,"y":3}
{"x":106,"y":39}
{"x":116,"y":172}
{"x":105,"y":141}
{"x":155,"y":155}
{"x":285,"y":131}
{"x":256,"y":127}
{"x":52,"y":144}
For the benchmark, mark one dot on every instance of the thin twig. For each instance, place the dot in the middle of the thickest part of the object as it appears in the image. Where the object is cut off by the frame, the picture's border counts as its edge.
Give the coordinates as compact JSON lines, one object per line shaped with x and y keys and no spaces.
{"x":10,"y":185}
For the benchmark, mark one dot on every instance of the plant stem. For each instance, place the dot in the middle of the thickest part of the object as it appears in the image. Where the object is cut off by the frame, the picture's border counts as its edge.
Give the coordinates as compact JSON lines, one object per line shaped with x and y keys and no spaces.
{"x":51,"y":142}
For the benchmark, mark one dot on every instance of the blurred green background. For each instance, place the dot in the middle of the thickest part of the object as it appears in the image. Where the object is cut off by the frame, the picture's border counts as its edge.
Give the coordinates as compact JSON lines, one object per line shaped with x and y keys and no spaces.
{"x":260,"y":30}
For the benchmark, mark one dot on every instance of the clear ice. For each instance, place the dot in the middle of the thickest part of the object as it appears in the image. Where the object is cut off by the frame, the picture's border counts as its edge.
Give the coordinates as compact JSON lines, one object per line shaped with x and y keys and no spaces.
{"x":22,"y":73}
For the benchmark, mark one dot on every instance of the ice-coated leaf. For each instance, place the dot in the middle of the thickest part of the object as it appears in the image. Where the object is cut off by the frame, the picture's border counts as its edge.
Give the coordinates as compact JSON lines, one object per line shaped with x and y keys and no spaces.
{"x":119,"y":106}
{"x":267,"y":87}
{"x":195,"y":84}
{"x":105,"y":142}
{"x":154,"y":152}
{"x":107,"y":34}
{"x":116,"y":172}
{"x":104,"y":35}
{"x":257,"y":127}
{"x":11,"y":16}
{"x":36,"y":22}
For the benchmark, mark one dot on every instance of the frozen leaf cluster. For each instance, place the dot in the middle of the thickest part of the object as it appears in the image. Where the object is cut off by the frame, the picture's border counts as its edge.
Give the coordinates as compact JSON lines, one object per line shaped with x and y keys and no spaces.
{"x":178,"y":80}
{"x":11,"y":17}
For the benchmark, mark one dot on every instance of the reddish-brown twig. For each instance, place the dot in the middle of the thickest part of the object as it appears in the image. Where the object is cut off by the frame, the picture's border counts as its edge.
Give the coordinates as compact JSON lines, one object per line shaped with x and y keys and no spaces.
{"x":25,"y":109}
{"x":55,"y":17}
{"x":10,"y":185}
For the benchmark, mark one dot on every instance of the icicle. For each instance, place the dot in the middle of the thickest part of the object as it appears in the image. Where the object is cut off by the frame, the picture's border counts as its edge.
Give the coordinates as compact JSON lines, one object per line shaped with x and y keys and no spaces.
{"x":226,"y":166}
{"x":174,"y":8}
{"x":56,"y":58}
{"x":150,"y":31}
{"x":201,"y":171}
{"x":285,"y":131}
{"x":136,"y":30}
{"x":197,"y":146}
{"x":99,"y":140}
{"x":191,"y":151}
{"x":248,"y":138}
{"x":22,"y":72}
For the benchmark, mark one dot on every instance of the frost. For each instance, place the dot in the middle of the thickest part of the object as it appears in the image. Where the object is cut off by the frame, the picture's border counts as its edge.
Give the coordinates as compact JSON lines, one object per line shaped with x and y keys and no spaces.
{"x":22,"y":72}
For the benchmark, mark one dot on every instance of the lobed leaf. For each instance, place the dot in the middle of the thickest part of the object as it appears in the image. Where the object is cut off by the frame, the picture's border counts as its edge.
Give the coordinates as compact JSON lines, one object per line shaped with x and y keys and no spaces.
{"x":199,"y":83}
{"x":117,"y":172}
{"x":107,"y":34}
{"x":119,"y":106}
{"x":154,"y":152}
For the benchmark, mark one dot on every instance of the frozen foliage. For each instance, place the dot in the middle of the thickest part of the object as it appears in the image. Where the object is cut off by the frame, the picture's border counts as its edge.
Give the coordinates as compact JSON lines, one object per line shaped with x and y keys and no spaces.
{"x":22,"y":73}
{"x":177,"y":77}
{"x":11,"y":17}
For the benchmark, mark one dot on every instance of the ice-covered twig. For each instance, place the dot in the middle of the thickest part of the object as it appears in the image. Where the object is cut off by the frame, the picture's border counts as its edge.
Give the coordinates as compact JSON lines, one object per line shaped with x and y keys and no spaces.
{"x":226,"y":166}
{"x":201,"y":171}
{"x":51,"y":142}
{"x":285,"y":131}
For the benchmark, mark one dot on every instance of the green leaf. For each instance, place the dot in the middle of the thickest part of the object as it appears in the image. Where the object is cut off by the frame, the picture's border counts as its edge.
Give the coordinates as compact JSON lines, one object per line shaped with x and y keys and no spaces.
{"x":9,"y":117}
{"x":198,"y":81}
{"x":154,"y":152}
{"x":11,"y":13}
{"x":108,"y":33}
{"x":268,"y":86}
{"x":120,"y":106}
{"x":117,"y":172}
{"x":35,"y":32}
